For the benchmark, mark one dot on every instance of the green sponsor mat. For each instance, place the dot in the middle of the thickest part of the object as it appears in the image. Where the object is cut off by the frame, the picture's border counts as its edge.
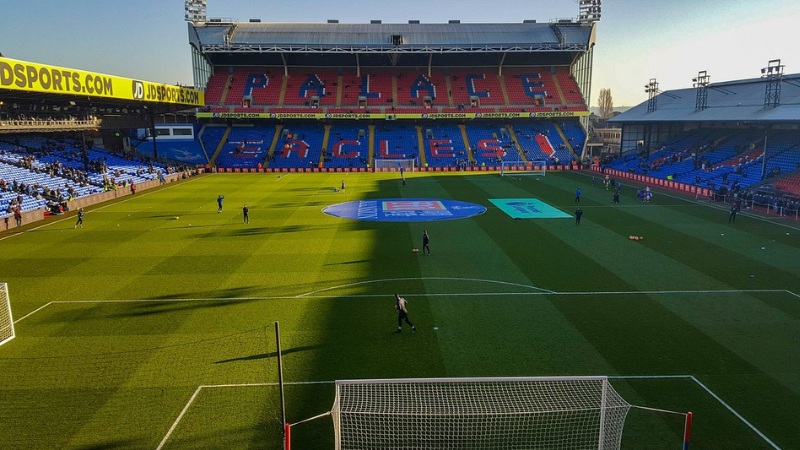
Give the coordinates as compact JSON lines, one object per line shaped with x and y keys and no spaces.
{"x":528,"y":208}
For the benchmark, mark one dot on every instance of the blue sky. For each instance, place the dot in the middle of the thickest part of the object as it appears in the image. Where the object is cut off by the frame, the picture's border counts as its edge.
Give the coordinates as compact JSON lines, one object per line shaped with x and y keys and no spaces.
{"x":670,"y":40}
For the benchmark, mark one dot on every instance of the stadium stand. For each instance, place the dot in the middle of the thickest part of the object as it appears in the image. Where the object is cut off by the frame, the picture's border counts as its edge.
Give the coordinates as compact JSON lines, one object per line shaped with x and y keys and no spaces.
{"x":42,"y":172}
{"x":246,"y":147}
{"x":450,"y":90}
{"x":480,"y":84}
{"x":348,"y":146}
{"x":444,"y":145}
{"x":216,"y":86}
{"x":491,"y":143}
{"x":569,"y":89}
{"x":541,"y":140}
{"x":396,"y":141}
{"x":299,"y":146}
{"x":533,"y":86}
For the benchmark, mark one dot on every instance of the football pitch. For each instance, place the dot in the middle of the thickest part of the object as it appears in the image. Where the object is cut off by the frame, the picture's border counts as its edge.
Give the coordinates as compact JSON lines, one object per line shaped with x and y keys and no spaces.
{"x":153,"y":325}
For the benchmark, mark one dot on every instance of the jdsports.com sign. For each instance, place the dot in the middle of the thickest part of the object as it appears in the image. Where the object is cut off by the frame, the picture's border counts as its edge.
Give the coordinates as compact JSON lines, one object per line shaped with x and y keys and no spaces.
{"x":31,"y":77}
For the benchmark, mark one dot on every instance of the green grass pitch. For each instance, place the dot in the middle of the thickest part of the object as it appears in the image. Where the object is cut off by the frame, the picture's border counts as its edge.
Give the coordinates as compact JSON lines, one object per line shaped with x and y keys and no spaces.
{"x":145,"y":331}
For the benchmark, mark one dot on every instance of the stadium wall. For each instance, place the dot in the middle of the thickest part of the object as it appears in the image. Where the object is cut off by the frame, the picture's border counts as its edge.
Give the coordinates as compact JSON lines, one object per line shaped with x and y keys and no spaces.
{"x":653,"y":181}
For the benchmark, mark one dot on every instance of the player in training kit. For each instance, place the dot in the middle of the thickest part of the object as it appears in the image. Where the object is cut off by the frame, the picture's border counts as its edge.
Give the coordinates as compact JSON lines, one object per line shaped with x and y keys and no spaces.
{"x":219,"y":203}
{"x":402,"y":313}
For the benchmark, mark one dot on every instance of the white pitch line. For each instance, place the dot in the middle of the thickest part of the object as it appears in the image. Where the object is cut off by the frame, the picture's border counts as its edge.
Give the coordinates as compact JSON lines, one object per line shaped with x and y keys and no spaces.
{"x":178,"y":419}
{"x":621,"y":377}
{"x":733,"y":411}
{"x":647,"y":377}
{"x":431,"y":294}
{"x":422,"y":279}
{"x":701,"y":291}
{"x":34,"y":311}
{"x":286,"y":383}
{"x":421,"y":294}
{"x":211,"y":386}
{"x":710,"y":392}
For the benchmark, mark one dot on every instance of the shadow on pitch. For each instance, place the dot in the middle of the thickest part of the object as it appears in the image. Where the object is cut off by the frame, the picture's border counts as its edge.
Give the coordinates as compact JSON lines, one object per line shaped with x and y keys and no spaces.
{"x":358,"y":261}
{"x":270,"y":354}
{"x":295,"y":205}
{"x":167,"y":307}
{"x":247,"y":230}
{"x":128,"y":443}
{"x":184,"y":301}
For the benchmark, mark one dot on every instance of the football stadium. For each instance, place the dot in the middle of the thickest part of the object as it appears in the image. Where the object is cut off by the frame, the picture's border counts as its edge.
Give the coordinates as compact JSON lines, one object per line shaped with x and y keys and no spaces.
{"x":397,"y":236}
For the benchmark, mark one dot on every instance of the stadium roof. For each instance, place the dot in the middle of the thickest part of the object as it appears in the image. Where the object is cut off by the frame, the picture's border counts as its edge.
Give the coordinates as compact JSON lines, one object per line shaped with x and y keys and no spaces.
{"x":508,"y":43}
{"x":739,"y":101}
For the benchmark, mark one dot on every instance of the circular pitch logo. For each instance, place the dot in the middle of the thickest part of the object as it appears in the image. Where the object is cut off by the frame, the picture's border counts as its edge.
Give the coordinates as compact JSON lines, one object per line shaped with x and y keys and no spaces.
{"x":404,"y":210}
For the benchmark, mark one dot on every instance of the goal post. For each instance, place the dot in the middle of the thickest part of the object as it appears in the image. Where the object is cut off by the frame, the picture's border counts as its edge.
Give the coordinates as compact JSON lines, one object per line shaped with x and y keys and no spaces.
{"x":6,"y":320}
{"x":533,"y":167}
{"x":503,"y":413}
{"x":394,"y":165}
{"x":479,"y":413}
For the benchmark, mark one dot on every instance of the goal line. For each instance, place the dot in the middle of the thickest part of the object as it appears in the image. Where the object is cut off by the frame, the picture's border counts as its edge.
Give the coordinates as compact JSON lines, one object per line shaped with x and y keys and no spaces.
{"x":288,"y":426}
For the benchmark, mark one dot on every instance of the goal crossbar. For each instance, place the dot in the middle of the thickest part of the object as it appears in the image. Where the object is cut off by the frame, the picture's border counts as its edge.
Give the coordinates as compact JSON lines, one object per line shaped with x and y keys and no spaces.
{"x":479,"y":413}
{"x":394,"y":165}
{"x":533,"y":167}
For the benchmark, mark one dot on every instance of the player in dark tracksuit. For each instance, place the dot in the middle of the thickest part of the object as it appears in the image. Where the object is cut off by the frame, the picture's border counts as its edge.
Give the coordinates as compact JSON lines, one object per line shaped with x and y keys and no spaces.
{"x":426,"y":243}
{"x":79,"y":223}
{"x":402,"y":313}
{"x":732,"y":215}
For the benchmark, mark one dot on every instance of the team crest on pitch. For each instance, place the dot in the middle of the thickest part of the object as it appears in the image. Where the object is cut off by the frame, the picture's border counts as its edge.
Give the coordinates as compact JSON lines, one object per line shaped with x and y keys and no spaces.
{"x":404,"y":210}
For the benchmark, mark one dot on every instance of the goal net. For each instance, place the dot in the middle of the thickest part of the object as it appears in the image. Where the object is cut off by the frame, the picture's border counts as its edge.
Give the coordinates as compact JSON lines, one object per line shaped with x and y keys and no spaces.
{"x":535,"y":167}
{"x":6,"y":321}
{"x":479,"y":413}
{"x":394,"y":165}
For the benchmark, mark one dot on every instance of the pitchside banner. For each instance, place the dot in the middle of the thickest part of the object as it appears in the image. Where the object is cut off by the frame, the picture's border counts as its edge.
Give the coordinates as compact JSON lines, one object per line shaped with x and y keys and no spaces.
{"x":381,"y":116}
{"x":32,"y":77}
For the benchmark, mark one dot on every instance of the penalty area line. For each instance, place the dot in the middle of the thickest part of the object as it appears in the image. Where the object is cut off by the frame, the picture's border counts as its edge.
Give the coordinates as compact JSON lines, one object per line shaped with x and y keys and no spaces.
{"x":213,"y":386}
{"x":33,"y":312}
{"x":310,"y":295}
{"x":612,"y":377}
{"x":709,"y":391}
{"x":735,"y":413}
